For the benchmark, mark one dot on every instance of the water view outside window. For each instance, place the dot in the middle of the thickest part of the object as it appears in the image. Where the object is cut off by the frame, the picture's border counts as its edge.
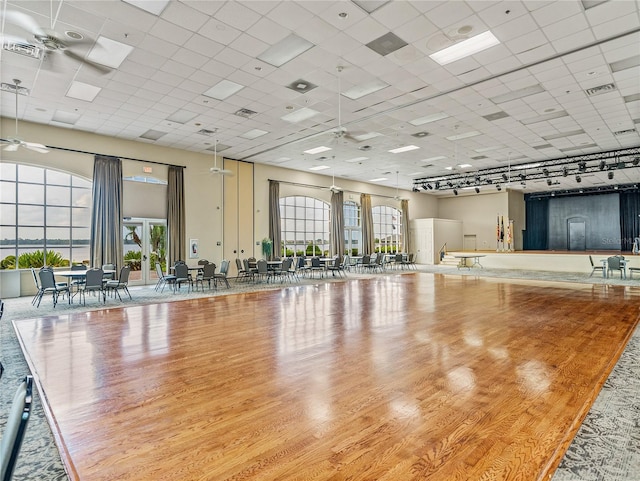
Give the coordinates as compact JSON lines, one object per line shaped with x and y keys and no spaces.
{"x":387,"y":229}
{"x":305,"y":226}
{"x":352,"y":229}
{"x":44,"y":213}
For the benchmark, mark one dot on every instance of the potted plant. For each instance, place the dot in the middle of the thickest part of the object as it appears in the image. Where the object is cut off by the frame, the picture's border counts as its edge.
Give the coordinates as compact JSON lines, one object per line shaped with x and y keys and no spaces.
{"x":267,"y":248}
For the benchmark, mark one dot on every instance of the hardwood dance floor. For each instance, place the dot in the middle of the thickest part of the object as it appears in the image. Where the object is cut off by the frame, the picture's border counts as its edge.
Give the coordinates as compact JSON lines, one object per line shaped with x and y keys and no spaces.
{"x":408,"y":377}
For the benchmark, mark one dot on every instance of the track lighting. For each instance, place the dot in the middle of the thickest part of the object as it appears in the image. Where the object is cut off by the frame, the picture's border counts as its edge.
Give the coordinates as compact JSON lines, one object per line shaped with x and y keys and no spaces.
{"x":477,"y":190}
{"x":610,"y":175}
{"x":549,"y":182}
{"x":636,"y":161}
{"x":424,"y":187}
{"x":498,"y":187}
{"x":602,"y":165}
{"x":455,"y":192}
{"x":504,"y":177}
{"x":578,"y":179}
{"x":415,"y":189}
{"x":565,"y":172}
{"x":437,"y":184}
{"x":545,"y":172}
{"x":582,"y":166}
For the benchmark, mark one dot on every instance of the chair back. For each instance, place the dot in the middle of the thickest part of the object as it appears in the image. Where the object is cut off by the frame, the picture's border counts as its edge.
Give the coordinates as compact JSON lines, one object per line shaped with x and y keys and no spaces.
{"x":203,"y":262}
{"x":239,"y":265}
{"x":614,"y":263}
{"x":1,"y":308}
{"x":224,"y":267}
{"x":159,"y":272}
{"x":245,"y":262}
{"x":78,"y":267}
{"x":286,"y":264}
{"x":47,"y":279}
{"x":35,"y":278}
{"x":94,"y":278}
{"x":337,"y":262}
{"x":399,"y":258}
{"x":315,"y":262}
{"x":15,"y":428}
{"x":366,"y":259}
{"x":262,"y":266}
{"x":591,"y":260}
{"x":208,"y":270}
{"x":124,"y":274}
{"x":108,"y":267}
{"x":181,"y":271}
{"x":301,"y":261}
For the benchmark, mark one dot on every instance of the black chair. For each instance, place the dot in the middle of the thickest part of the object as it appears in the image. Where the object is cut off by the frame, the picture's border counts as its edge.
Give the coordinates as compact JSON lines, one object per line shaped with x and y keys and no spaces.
{"x":616,"y":263}
{"x":181,"y":271}
{"x":205,"y":274}
{"x":1,"y":313}
{"x":163,"y":279}
{"x":594,"y":267}
{"x":48,"y":285}
{"x":15,"y":428}
{"x":94,"y":282}
{"x":316,"y":266}
{"x":222,"y":274}
{"x":120,"y":283}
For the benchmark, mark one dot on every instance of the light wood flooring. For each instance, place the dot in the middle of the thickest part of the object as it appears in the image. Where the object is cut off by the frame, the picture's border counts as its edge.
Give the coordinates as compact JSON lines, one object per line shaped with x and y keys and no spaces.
{"x":408,"y":377}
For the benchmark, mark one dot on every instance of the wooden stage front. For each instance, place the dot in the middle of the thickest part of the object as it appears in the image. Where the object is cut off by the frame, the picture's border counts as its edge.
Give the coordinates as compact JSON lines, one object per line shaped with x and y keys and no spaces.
{"x":399,"y":377}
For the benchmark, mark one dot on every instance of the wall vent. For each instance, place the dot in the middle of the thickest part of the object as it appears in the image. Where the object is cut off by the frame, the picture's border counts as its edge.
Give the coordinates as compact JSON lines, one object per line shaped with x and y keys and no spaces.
{"x":625,"y":132}
{"x":246,"y":113}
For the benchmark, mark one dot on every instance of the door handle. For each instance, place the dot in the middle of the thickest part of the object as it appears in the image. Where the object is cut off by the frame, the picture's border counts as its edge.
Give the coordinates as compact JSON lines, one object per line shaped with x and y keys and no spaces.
{"x":144,"y":258}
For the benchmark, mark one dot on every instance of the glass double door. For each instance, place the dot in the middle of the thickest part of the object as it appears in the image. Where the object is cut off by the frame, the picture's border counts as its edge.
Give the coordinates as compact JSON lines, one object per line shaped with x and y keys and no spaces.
{"x":144,"y":244}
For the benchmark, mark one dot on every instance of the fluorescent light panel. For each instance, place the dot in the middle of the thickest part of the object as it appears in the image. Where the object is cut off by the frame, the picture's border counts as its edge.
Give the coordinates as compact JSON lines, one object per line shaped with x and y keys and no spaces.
{"x":83,"y":91}
{"x":65,"y":117}
{"x":379,"y":179}
{"x":360,"y":91}
{"x":300,"y":115}
{"x":152,"y":6}
{"x":285,"y":50}
{"x":431,"y":159}
{"x":109,"y":52}
{"x":320,"y":167}
{"x":366,"y":136}
{"x":429,"y":118}
{"x":317,"y":150}
{"x":357,"y":159}
{"x":406,"y":148}
{"x":466,"y":135}
{"x":542,"y":118}
{"x":181,"y":116}
{"x":223,"y":90}
{"x":254,"y":134}
{"x":463,"y":49}
{"x":517,"y":94}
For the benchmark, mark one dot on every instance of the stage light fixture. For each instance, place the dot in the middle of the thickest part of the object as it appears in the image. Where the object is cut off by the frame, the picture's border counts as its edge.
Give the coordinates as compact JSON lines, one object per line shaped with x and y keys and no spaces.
{"x":582,"y":166}
{"x":504,"y":177}
{"x":602,"y":165}
{"x":455,"y":192}
{"x":545,"y":172}
{"x":477,"y":190}
{"x":424,"y":186}
{"x":549,"y":182}
{"x":636,"y":161}
{"x":437,"y":184}
{"x":565,"y":172}
{"x":578,"y":179}
{"x":610,"y":175}
{"x":498,"y":187}
{"x":415,"y":189}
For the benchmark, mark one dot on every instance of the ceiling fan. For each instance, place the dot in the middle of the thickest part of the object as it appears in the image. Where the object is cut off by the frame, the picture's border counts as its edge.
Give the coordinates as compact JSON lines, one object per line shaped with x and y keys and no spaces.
{"x":49,"y":40}
{"x":333,"y":187}
{"x":397,"y":196}
{"x":215,"y":169}
{"x":15,"y":143}
{"x":341,"y":132}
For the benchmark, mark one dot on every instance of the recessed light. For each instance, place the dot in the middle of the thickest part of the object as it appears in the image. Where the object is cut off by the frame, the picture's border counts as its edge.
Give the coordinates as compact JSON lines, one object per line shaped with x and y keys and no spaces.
{"x":379,"y":179}
{"x":463,"y":49}
{"x":320,"y":167}
{"x":406,"y":148}
{"x":317,"y":150}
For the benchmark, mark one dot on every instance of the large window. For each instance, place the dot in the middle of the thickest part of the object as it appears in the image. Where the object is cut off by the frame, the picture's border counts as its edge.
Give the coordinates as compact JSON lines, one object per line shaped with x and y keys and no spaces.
{"x":387,"y":229}
{"x":44,"y":217}
{"x":352,"y":229}
{"x":305,"y":226}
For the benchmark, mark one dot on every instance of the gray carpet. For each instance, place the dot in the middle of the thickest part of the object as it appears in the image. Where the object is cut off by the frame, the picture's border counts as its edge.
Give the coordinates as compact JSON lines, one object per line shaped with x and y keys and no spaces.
{"x":606,"y":448}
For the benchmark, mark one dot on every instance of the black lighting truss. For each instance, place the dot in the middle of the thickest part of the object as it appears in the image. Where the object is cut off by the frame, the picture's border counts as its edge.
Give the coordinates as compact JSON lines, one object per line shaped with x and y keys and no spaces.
{"x":543,"y":169}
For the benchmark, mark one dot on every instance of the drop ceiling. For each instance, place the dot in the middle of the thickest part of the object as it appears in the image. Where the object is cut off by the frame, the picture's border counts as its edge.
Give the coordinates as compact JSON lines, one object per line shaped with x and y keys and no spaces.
{"x":273,"y":79}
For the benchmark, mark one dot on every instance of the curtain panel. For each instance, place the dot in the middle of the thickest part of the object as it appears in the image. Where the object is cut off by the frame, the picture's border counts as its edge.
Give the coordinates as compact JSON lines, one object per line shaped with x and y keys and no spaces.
{"x":336,"y":239}
{"x":536,"y":234}
{"x":368,"y":240}
{"x":406,"y":240}
{"x":629,"y":219}
{"x":106,"y":215}
{"x":275,"y":227}
{"x":176,"y":230}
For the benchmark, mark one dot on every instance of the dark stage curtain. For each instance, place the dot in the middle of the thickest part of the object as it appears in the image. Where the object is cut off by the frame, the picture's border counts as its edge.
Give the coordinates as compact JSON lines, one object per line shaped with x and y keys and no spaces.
{"x":629,"y":219}
{"x":536,"y":235}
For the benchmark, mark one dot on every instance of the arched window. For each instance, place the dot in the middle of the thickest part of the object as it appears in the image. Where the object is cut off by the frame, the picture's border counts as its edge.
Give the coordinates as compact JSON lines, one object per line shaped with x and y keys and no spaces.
{"x":44,"y":213}
{"x":352,"y":228}
{"x":305,"y":226}
{"x":387,"y":229}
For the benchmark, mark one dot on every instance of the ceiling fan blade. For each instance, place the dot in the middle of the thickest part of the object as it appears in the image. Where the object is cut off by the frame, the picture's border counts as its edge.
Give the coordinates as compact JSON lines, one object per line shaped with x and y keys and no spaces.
{"x":96,"y":66}
{"x":11,"y":147}
{"x":36,"y":147}
{"x":24,"y":21}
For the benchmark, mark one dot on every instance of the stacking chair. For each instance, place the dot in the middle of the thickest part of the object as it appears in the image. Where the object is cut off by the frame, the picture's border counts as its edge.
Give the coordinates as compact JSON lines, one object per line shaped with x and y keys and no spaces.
{"x":49,"y":285}
{"x":316,"y":266}
{"x":108,"y":276}
{"x":616,"y":263}
{"x":594,"y":267}
{"x":163,"y":279}
{"x":242,"y":273}
{"x":122,"y":282}
{"x":182,"y":276}
{"x":39,"y":291}
{"x":94,"y":282}
{"x":263,"y":271}
{"x":250,"y":272}
{"x":15,"y":428}
{"x":410,"y":261}
{"x":205,"y":275}
{"x":335,"y":266}
{"x":221,"y":274}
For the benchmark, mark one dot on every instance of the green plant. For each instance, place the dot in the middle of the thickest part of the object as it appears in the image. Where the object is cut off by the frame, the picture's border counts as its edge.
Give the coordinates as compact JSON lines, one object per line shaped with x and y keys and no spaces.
{"x":8,"y":262}
{"x":134,"y":260}
{"x":267,"y":247}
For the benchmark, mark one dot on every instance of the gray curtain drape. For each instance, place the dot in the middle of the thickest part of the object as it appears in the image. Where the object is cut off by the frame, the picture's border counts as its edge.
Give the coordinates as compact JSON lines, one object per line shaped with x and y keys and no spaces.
{"x":336,"y":241}
{"x":406,"y":240}
{"x":106,"y":213}
{"x":176,"y":230}
{"x":368,"y":240}
{"x":275,"y":229}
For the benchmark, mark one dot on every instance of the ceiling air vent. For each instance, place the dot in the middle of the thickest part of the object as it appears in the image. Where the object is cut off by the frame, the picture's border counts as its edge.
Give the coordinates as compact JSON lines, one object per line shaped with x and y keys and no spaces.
{"x":625,"y":132}
{"x":246,"y":113}
{"x":206,"y":132}
{"x":25,"y":49}
{"x":600,"y":89}
{"x":7,"y":87}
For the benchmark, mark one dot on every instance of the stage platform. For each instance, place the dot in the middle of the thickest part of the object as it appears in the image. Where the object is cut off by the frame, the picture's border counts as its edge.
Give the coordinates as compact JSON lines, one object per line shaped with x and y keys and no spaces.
{"x":554,"y":261}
